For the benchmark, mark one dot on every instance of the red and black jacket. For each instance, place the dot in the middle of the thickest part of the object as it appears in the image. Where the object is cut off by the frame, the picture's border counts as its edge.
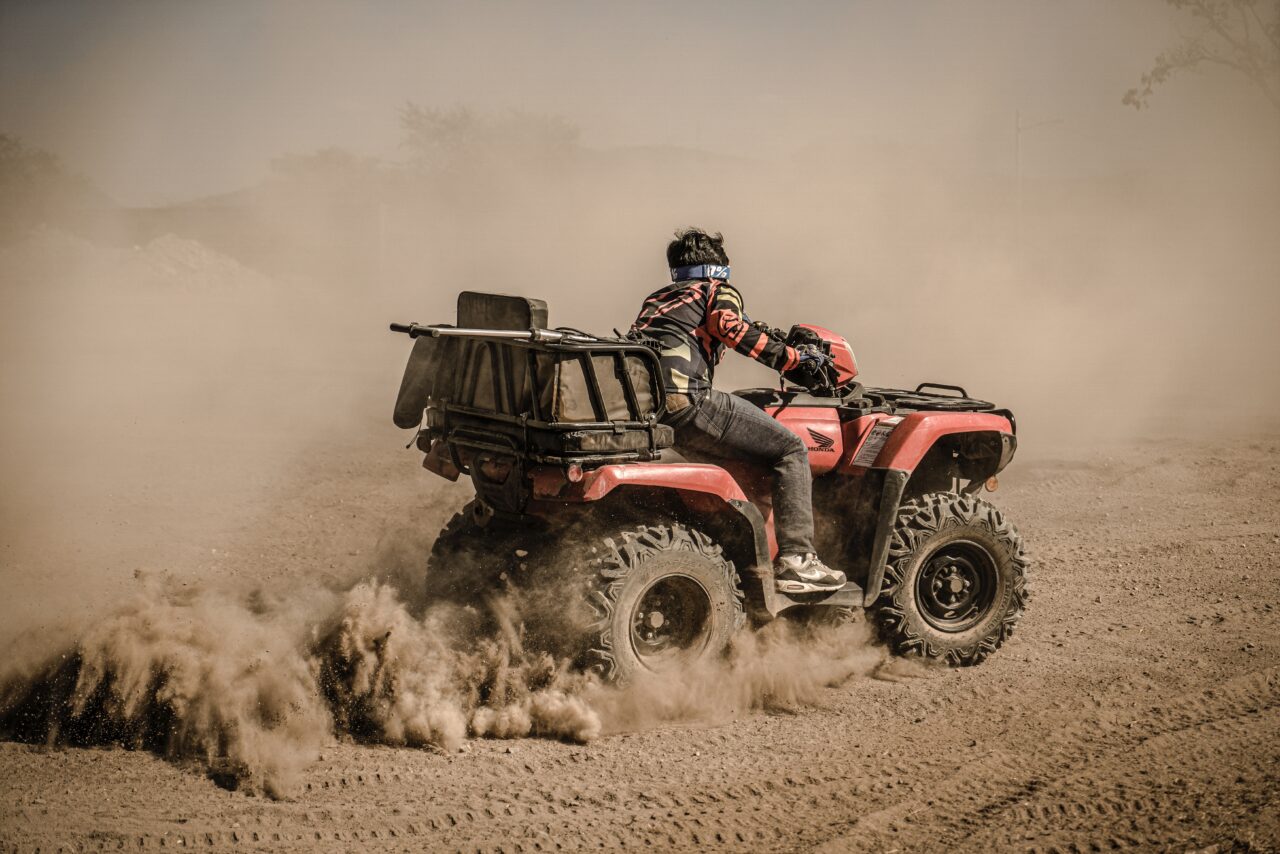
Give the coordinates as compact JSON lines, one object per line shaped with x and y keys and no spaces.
{"x":693,"y":322}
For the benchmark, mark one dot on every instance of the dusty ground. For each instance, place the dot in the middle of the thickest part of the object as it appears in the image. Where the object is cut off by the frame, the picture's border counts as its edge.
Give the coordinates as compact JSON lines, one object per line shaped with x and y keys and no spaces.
{"x":1138,"y":705}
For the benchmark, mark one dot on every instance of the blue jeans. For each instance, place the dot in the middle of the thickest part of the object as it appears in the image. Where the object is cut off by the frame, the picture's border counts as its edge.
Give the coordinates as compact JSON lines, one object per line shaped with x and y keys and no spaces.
{"x":721,"y":426}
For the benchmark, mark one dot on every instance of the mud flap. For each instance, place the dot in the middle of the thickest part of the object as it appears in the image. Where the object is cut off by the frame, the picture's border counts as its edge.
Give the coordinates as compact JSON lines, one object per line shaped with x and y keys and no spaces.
{"x":895,"y":483}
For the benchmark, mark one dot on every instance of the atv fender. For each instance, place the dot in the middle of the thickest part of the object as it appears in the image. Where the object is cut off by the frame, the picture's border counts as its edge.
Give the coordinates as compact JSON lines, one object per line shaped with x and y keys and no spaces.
{"x":703,"y":488}
{"x":710,"y":490}
{"x":917,"y":433}
{"x":683,"y":477}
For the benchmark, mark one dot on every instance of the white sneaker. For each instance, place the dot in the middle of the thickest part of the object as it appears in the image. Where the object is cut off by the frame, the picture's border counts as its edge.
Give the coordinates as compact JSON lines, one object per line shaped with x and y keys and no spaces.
{"x":806,"y":574}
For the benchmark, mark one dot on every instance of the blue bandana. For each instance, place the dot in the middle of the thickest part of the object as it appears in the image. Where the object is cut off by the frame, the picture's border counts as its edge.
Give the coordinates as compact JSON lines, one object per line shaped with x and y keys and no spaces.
{"x":700,"y":271}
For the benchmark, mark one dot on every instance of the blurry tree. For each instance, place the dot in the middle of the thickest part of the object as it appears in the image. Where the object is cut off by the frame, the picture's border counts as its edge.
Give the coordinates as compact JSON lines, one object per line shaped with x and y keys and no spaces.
{"x":457,"y":138}
{"x":1242,"y":35}
{"x":35,"y":188}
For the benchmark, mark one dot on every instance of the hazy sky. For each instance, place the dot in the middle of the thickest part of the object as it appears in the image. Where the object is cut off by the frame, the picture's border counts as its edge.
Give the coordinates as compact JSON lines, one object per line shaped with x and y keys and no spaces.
{"x":157,"y":101}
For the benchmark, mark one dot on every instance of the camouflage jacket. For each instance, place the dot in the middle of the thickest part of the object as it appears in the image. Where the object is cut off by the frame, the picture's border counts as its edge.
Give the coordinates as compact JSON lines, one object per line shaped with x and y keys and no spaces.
{"x":693,"y":321}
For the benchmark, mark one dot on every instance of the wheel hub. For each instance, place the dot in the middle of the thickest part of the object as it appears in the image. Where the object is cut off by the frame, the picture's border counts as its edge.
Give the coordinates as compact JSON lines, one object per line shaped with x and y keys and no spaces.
{"x":957,"y":586}
{"x":671,"y":618}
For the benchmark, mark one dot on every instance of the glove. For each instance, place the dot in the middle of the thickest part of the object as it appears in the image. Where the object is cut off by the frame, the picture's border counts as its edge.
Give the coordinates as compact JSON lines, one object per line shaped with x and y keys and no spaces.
{"x":770,"y":331}
{"x":812,"y":359}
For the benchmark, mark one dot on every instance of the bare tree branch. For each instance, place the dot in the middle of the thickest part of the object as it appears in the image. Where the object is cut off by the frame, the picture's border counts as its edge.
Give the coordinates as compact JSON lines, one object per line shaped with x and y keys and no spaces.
{"x":1272,"y":33}
{"x":1249,"y":52}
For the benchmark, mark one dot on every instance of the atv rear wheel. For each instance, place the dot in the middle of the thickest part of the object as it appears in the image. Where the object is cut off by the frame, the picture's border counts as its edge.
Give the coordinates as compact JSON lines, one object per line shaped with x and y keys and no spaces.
{"x":665,"y":597}
{"x":955,"y":581}
{"x":468,"y":559}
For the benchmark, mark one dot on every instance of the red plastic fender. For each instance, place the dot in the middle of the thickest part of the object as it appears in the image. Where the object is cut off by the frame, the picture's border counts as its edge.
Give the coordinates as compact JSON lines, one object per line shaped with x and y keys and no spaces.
{"x":686,"y":477}
{"x":702,"y":487}
{"x":912,"y":438}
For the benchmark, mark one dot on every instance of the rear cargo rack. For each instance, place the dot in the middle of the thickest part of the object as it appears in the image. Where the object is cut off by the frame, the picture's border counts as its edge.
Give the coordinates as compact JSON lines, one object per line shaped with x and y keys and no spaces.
{"x":551,"y":396}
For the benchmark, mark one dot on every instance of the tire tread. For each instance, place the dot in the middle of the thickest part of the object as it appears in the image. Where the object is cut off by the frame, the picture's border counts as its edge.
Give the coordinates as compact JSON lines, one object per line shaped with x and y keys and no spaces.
{"x":621,"y":555}
{"x":918,"y":521}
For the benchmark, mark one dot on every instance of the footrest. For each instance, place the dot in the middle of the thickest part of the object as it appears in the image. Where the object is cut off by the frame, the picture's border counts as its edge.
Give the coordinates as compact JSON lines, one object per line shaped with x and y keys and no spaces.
{"x":849,"y":596}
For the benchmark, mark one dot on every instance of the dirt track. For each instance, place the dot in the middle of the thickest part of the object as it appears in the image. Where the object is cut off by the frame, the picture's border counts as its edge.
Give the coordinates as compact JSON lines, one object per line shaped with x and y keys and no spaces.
{"x":1137,"y":706}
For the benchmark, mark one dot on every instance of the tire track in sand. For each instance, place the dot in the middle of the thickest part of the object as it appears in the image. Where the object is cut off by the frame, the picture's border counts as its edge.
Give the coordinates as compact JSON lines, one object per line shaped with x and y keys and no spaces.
{"x":1073,"y":792}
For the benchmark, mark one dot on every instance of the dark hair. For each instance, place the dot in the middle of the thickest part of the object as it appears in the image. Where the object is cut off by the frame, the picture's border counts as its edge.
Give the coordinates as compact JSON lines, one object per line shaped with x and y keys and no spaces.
{"x":695,"y":246}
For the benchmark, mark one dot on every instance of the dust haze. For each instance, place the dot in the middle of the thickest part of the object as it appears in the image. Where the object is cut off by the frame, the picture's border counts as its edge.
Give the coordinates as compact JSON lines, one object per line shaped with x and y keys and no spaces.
{"x":193,"y":350}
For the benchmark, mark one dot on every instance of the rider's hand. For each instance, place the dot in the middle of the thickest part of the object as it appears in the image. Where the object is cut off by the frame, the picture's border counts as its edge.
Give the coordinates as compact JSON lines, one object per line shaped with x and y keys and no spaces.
{"x":771,"y":331}
{"x":812,"y":359}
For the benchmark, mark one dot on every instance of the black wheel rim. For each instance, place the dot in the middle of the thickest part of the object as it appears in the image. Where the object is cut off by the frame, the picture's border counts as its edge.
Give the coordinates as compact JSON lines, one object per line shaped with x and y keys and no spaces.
{"x":956,"y":586}
{"x":671,"y":621}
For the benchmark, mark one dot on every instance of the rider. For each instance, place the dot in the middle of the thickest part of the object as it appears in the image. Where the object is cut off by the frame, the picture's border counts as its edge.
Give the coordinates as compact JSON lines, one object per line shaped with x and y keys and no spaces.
{"x":692,"y":320}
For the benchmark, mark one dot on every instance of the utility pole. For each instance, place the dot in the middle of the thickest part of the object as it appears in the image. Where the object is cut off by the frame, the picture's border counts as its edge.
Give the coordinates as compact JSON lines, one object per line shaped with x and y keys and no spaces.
{"x":1018,"y":129}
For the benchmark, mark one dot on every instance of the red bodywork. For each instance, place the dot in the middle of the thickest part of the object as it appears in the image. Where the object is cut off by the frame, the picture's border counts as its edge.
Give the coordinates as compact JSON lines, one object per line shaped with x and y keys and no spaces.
{"x":820,"y":429}
{"x":833,"y":446}
{"x":912,"y":439}
{"x":841,"y":353}
{"x":550,"y":483}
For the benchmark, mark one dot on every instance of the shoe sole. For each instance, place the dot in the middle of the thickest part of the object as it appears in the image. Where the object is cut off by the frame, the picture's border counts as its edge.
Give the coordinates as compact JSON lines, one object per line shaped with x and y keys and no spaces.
{"x":805,"y":587}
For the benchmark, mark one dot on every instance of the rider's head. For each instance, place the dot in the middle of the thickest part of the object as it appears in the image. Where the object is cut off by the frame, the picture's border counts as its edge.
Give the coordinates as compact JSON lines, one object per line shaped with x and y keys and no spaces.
{"x":694,"y":246}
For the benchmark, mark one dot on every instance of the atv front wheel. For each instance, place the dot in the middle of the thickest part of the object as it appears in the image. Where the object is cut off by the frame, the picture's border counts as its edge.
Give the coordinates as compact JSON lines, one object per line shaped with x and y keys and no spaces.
{"x":955,"y":581}
{"x":665,"y":597}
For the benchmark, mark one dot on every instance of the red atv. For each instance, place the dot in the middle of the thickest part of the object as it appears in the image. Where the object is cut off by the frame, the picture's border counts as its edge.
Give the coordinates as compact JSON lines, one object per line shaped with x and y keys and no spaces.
{"x":664,"y":559}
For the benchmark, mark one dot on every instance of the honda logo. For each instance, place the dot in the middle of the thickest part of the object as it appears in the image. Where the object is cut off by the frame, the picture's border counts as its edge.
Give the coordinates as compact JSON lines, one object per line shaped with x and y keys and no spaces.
{"x":820,"y":442}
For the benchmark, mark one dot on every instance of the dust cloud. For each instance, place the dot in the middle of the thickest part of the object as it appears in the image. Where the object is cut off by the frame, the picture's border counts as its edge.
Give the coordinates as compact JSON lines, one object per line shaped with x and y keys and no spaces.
{"x":251,"y":689}
{"x":188,"y":674}
{"x":197,"y":378}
